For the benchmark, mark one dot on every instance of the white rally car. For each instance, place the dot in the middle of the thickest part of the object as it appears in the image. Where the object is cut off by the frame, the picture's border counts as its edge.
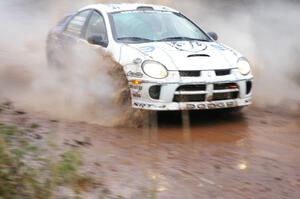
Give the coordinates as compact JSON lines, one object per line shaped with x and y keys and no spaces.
{"x":170,"y":63}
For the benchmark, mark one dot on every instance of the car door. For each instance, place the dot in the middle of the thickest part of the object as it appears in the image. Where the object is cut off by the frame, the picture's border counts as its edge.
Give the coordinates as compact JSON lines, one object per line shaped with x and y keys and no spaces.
{"x":71,"y":36}
{"x":90,"y":52}
{"x":54,"y":43}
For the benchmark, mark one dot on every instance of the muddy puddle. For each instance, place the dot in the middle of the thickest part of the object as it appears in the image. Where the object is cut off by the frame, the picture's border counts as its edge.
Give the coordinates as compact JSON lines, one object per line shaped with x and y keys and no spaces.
{"x":253,"y":155}
{"x":249,"y":155}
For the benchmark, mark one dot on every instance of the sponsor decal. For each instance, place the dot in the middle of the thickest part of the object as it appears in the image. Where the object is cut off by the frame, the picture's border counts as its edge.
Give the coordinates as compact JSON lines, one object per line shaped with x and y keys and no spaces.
{"x":138,"y":95}
{"x":190,"y":46}
{"x":136,"y":90}
{"x":114,"y":6}
{"x":216,"y":105}
{"x":147,"y":49}
{"x":136,"y":87}
{"x":135,"y":74}
{"x":144,"y":105}
{"x":223,"y":48}
{"x":137,"y":61}
{"x":213,"y":105}
{"x":218,"y":47}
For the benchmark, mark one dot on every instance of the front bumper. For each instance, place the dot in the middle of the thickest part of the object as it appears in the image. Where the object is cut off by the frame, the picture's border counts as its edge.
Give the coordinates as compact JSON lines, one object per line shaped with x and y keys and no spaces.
{"x":173,"y":106}
{"x":193,"y":93}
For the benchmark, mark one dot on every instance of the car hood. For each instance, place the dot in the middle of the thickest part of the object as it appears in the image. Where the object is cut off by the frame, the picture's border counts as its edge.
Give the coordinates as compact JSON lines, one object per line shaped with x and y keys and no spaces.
{"x":189,"y":55}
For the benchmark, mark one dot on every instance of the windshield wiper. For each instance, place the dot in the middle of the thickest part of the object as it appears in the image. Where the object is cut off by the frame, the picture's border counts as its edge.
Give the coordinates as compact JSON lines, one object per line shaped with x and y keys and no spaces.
{"x":181,"y":39}
{"x":135,"y":39}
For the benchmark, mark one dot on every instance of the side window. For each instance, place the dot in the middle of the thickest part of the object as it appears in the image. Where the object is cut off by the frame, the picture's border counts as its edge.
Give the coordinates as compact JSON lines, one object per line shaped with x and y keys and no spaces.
{"x":76,"y":24}
{"x":96,"y":27}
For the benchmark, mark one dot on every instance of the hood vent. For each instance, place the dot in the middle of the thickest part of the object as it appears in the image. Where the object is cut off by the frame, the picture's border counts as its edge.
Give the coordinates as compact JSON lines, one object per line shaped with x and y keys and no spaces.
{"x":198,"y":55}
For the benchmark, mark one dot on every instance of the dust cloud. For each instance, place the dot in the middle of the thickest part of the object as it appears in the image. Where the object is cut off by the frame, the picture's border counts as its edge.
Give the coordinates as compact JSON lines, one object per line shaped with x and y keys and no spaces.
{"x":82,"y":90}
{"x":267,"y":32}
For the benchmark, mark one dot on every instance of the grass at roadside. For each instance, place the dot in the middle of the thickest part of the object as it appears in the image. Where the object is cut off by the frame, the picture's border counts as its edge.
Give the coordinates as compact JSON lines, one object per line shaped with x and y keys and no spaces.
{"x":24,"y":175}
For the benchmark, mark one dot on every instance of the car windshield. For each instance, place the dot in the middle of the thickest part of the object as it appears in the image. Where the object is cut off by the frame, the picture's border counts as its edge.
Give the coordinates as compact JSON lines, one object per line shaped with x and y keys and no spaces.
{"x":153,"y":26}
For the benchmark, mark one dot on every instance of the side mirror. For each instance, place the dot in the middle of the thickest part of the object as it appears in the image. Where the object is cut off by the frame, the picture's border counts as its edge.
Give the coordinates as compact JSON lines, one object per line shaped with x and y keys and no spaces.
{"x":213,"y":35}
{"x":97,"y":40}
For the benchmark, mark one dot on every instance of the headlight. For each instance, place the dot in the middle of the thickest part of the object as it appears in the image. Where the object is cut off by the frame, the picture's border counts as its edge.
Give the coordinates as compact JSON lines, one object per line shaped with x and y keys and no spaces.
{"x":244,"y":66}
{"x":154,"y":69}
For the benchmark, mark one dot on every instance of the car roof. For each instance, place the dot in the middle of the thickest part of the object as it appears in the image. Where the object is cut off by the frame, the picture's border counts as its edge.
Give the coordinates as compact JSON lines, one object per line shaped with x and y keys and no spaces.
{"x":109,"y":8}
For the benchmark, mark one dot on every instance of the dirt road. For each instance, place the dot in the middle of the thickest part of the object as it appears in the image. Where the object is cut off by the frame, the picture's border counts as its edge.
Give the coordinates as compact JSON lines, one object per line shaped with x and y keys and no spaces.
{"x":256,"y":155}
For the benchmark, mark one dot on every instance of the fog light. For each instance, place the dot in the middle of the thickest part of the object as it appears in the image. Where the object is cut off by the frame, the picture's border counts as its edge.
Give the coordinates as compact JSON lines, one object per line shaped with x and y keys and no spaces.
{"x":154,"y":92}
{"x":136,"y":82}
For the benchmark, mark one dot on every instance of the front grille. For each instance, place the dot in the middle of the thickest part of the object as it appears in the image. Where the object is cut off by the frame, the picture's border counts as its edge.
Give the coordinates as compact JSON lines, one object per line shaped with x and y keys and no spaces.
{"x":189,"y":98}
{"x":199,"y":87}
{"x":201,"y":93}
{"x":190,"y":73}
{"x":225,"y":96}
{"x":225,"y":86}
{"x":197,"y":73}
{"x":223,"y":72}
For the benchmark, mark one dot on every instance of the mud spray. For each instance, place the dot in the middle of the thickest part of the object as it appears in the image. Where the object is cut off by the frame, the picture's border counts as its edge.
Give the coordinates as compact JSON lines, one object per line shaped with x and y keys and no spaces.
{"x":89,"y":89}
{"x":264,"y":31}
